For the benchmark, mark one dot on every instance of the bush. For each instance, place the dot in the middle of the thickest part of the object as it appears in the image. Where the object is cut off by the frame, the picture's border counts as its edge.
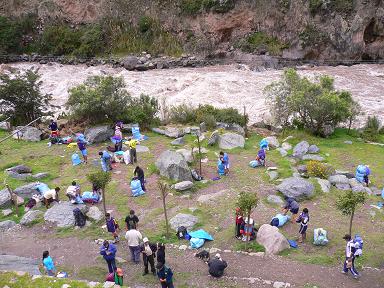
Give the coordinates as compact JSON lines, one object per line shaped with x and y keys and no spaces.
{"x":209,"y":120}
{"x":20,"y":97}
{"x":142,"y":110}
{"x":320,"y":170}
{"x":372,"y":129}
{"x":193,"y":7}
{"x":316,"y":105}
{"x":10,"y":36}
{"x":311,"y":36}
{"x":145,"y":24}
{"x":259,"y":41}
{"x":182,"y":114}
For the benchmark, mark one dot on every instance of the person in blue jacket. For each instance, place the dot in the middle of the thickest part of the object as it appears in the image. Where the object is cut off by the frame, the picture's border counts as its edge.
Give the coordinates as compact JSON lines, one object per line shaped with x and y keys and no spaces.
{"x":108,"y":251}
{"x":225,"y":159}
{"x":49,"y":266}
{"x":105,"y":161}
{"x":165,"y":275}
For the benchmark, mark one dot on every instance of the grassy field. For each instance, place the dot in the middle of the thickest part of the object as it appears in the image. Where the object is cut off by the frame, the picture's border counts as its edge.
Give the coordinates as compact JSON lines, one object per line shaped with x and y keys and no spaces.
{"x":218,"y":218}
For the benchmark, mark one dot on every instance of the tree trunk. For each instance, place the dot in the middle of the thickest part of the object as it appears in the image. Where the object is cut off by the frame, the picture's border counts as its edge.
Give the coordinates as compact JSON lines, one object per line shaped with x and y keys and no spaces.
{"x":166,"y":217}
{"x":350,"y":222}
{"x":350,"y":124}
{"x":105,"y":209}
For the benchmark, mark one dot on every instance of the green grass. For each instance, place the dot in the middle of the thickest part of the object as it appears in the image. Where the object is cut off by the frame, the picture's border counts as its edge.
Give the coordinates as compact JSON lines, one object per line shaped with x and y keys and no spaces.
{"x":92,"y":273}
{"x":251,"y":246}
{"x":261,"y":40}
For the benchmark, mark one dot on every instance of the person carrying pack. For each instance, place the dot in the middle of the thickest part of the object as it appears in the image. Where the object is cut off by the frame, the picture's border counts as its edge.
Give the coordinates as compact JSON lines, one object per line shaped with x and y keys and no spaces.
{"x":358,"y":249}
{"x":349,"y":263}
{"x":80,"y":218}
{"x":112,"y":226}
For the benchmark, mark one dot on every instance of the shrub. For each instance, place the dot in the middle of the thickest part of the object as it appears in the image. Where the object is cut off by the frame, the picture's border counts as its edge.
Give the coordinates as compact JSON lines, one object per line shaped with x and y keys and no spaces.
{"x":145,"y":24}
{"x":10,"y":36}
{"x":193,"y":7}
{"x":209,"y":120}
{"x":311,"y":36}
{"x":260,"y":41}
{"x":20,"y":97}
{"x":182,"y":114}
{"x":372,"y":130}
{"x":317,"y":105}
{"x":91,"y":41}
{"x":320,"y":170}
{"x":142,"y":110}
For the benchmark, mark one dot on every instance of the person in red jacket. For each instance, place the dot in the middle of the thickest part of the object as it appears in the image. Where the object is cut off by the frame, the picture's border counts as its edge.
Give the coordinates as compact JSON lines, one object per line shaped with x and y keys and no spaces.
{"x":239,"y":222}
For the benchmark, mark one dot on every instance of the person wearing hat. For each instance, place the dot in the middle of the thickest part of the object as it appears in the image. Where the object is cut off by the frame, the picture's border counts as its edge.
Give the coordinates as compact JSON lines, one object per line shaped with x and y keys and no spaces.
{"x":149,"y":253}
{"x":165,"y":275}
{"x":217,"y":266}
{"x":349,"y":263}
{"x":108,"y":251}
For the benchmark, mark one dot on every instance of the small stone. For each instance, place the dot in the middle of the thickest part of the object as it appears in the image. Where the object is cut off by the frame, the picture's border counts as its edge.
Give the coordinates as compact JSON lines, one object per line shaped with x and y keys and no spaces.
{"x":7,"y":212}
{"x":214,"y":250}
{"x":183,"y":247}
{"x":258,"y":254}
{"x":279,"y":285}
{"x":271,"y":168}
{"x":283,"y":152}
{"x":273,"y":175}
{"x":227,"y":251}
{"x":348,"y":142}
{"x":65,"y":286}
{"x":286,"y":146}
{"x":93,"y":284}
{"x":313,"y":149}
{"x":108,"y":284}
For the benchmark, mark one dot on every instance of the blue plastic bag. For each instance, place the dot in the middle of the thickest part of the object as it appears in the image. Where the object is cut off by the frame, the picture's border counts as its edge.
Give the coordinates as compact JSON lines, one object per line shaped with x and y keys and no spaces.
{"x":76,"y":159}
{"x":136,"y":188}
{"x":196,"y":243}
{"x":264,"y":144}
{"x":292,"y":243}
{"x":41,"y":188}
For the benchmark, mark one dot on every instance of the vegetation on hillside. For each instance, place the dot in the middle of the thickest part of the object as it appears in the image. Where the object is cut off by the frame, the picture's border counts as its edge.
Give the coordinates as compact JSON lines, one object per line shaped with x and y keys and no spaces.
{"x":193,"y":7}
{"x":261,"y":42}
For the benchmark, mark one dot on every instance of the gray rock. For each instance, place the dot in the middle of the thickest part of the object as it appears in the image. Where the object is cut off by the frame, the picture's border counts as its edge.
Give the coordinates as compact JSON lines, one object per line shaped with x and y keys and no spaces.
{"x":174,"y":166}
{"x":95,"y":214}
{"x":300,"y":149}
{"x":16,"y":263}
{"x":327,"y":130}
{"x":231,"y":127}
{"x":274,"y":199}
{"x":28,"y":134}
{"x":158,"y":131}
{"x":195,"y":130}
{"x":338,"y":179}
{"x":20,"y":169}
{"x":178,"y":141}
{"x":184,"y":185}
{"x":186,"y":220}
{"x":302,"y":169}
{"x":26,"y":191}
{"x":342,"y":186}
{"x":202,"y":150}
{"x":325,"y":185}
{"x":173,"y":132}
{"x":313,"y":149}
{"x":348,"y":142}
{"x":211,"y":198}
{"x":213,"y":138}
{"x":286,"y":146}
{"x":348,"y":174}
{"x":272,"y":142}
{"x":203,"y":127}
{"x":7,"y":212}
{"x":5,"y":125}
{"x":98,"y":134}
{"x":141,"y":149}
{"x":130,"y":62}
{"x":31,"y":216}
{"x":312,"y":157}
{"x":7,"y":224}
{"x":283,"y":152}
{"x":297,"y":188}
{"x":40,"y":175}
{"x":273,"y":175}
{"x":62,"y":214}
{"x":187,"y":154}
{"x":231,"y":140}
{"x":128,"y":127}
{"x":18,"y":176}
{"x":273,"y":241}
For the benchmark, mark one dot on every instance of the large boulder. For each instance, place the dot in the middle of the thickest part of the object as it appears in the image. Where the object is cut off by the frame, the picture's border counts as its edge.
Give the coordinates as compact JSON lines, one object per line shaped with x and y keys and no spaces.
{"x":273,"y":241}
{"x":28,"y":134}
{"x":273,"y":142}
{"x":338,"y":179}
{"x":20,"y":169}
{"x":187,"y":154}
{"x":158,"y":131}
{"x":186,"y":220}
{"x":275,"y":199}
{"x":184,"y":185}
{"x":313,"y":149}
{"x":95,"y":214}
{"x":300,"y":149}
{"x":26,"y":191}
{"x":130,"y":62}
{"x":312,"y":157}
{"x":62,"y":213}
{"x":213,"y":138}
{"x":7,"y":224}
{"x":325,"y":185}
{"x":297,"y":188}
{"x":178,"y":141}
{"x":22,"y":176}
{"x":5,"y":125}
{"x":234,"y":127}
{"x":173,"y":132}
{"x":31,"y":216}
{"x":231,"y":140}
{"x":98,"y":134}
{"x":174,"y":166}
{"x":16,"y":263}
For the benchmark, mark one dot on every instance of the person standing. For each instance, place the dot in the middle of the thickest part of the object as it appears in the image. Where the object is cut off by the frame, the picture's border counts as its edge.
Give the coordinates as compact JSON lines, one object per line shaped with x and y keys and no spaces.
{"x":303,"y":220}
{"x":134,"y":237}
{"x":82,"y":144}
{"x":131,"y":220}
{"x":139,"y":173}
{"x":48,"y":264}
{"x":165,"y":275}
{"x":349,"y":263}
{"x":108,"y":251}
{"x":54,"y":129}
{"x":292,"y":206}
{"x":132,"y":149}
{"x":112,"y":226}
{"x":217,"y":266}
{"x":149,"y":253}
{"x":225,"y":159}
{"x":105,"y":161}
{"x":160,"y":253}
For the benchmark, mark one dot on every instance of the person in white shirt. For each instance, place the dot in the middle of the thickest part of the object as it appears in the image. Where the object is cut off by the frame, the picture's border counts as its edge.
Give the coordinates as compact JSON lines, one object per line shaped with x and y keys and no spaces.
{"x":149,"y":253}
{"x":73,"y":191}
{"x":134,"y":237}
{"x":349,"y":263}
{"x":51,"y":195}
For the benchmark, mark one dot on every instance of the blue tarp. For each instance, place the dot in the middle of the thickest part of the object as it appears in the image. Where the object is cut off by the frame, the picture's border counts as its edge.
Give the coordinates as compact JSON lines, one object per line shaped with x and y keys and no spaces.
{"x":76,"y":159}
{"x":201,"y":234}
{"x":136,"y":188}
{"x":292,"y":243}
{"x":196,"y":243}
{"x":42,"y":187}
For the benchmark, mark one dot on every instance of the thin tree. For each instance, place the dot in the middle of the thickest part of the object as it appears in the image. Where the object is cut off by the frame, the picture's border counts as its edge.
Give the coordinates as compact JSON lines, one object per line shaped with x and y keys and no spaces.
{"x":100,"y":181}
{"x":347,"y":203}
{"x":164,"y":193}
{"x":247,"y":201}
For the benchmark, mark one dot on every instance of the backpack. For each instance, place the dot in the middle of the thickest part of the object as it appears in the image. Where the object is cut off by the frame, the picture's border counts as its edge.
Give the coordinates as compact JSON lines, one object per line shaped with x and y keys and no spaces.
{"x":275,"y":222}
{"x":195,"y":175}
{"x":79,"y":217}
{"x":358,"y":241}
{"x":181,"y":232}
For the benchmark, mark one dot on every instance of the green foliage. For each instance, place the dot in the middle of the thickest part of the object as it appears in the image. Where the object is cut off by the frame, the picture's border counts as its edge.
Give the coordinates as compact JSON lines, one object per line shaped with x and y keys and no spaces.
{"x":247,"y":201}
{"x":209,"y":120}
{"x":193,"y":7}
{"x":260,"y":41}
{"x":316,"y":105}
{"x":145,"y":24}
{"x":348,"y":201}
{"x":318,"y":169}
{"x":311,"y":36}
{"x":372,"y":130}
{"x":100,"y":179}
{"x":142,"y":110}
{"x":20,"y":96}
{"x":182,"y":114}
{"x":99,"y":98}
{"x":250,"y":247}
{"x":10,"y":36}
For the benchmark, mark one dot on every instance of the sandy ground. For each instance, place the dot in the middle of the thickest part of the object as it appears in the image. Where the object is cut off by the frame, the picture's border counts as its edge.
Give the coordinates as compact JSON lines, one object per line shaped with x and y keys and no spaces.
{"x":221,"y":86}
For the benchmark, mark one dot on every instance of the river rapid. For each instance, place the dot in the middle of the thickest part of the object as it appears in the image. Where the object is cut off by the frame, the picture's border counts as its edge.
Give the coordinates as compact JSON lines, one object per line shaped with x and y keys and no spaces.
{"x":221,"y":86}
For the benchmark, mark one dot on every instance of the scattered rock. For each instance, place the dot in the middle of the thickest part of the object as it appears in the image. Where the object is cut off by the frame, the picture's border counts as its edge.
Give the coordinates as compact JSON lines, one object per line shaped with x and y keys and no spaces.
{"x":286,"y":146}
{"x":274,"y":199}
{"x":313,"y":149}
{"x":184,"y":185}
{"x":187,"y":154}
{"x":28,"y":134}
{"x":108,"y":284}
{"x":98,"y":134}
{"x":158,"y":131}
{"x":342,"y":186}
{"x":62,"y":214}
{"x":214,"y":250}
{"x":213,"y":138}
{"x":270,"y":237}
{"x":325,"y":185}
{"x":280,"y":285}
{"x":18,"y":176}
{"x":297,"y":188}
{"x":273,"y":175}
{"x":40,"y":175}
{"x":338,"y":179}
{"x":130,"y":62}
{"x":347,"y":174}
{"x":174,"y":166}
{"x":173,"y":132}
{"x":31,"y":216}
{"x":93,"y":284}
{"x":5,"y":125}
{"x":348,"y":142}
{"x":178,"y":141}
{"x":210,"y":198}
{"x":312,"y":157}
{"x":141,"y":149}
{"x":186,"y":220}
{"x":5,"y":198}
{"x":302,"y":169}
{"x":183,"y":247}
{"x":231,"y":127}
{"x":7,"y":224}
{"x":300,"y":149}
{"x":16,"y":263}
{"x":283,"y":152}
{"x":231,"y":140}
{"x":202,"y":150}
{"x":195,"y":130}
{"x":7,"y":212}
{"x":26,"y":191}
{"x":95,"y":214}
{"x":20,"y":169}
{"x":272,"y":142}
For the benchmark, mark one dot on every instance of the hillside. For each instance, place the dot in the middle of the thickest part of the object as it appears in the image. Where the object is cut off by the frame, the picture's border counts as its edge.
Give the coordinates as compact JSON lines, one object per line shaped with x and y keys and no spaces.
{"x":314,"y":29}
